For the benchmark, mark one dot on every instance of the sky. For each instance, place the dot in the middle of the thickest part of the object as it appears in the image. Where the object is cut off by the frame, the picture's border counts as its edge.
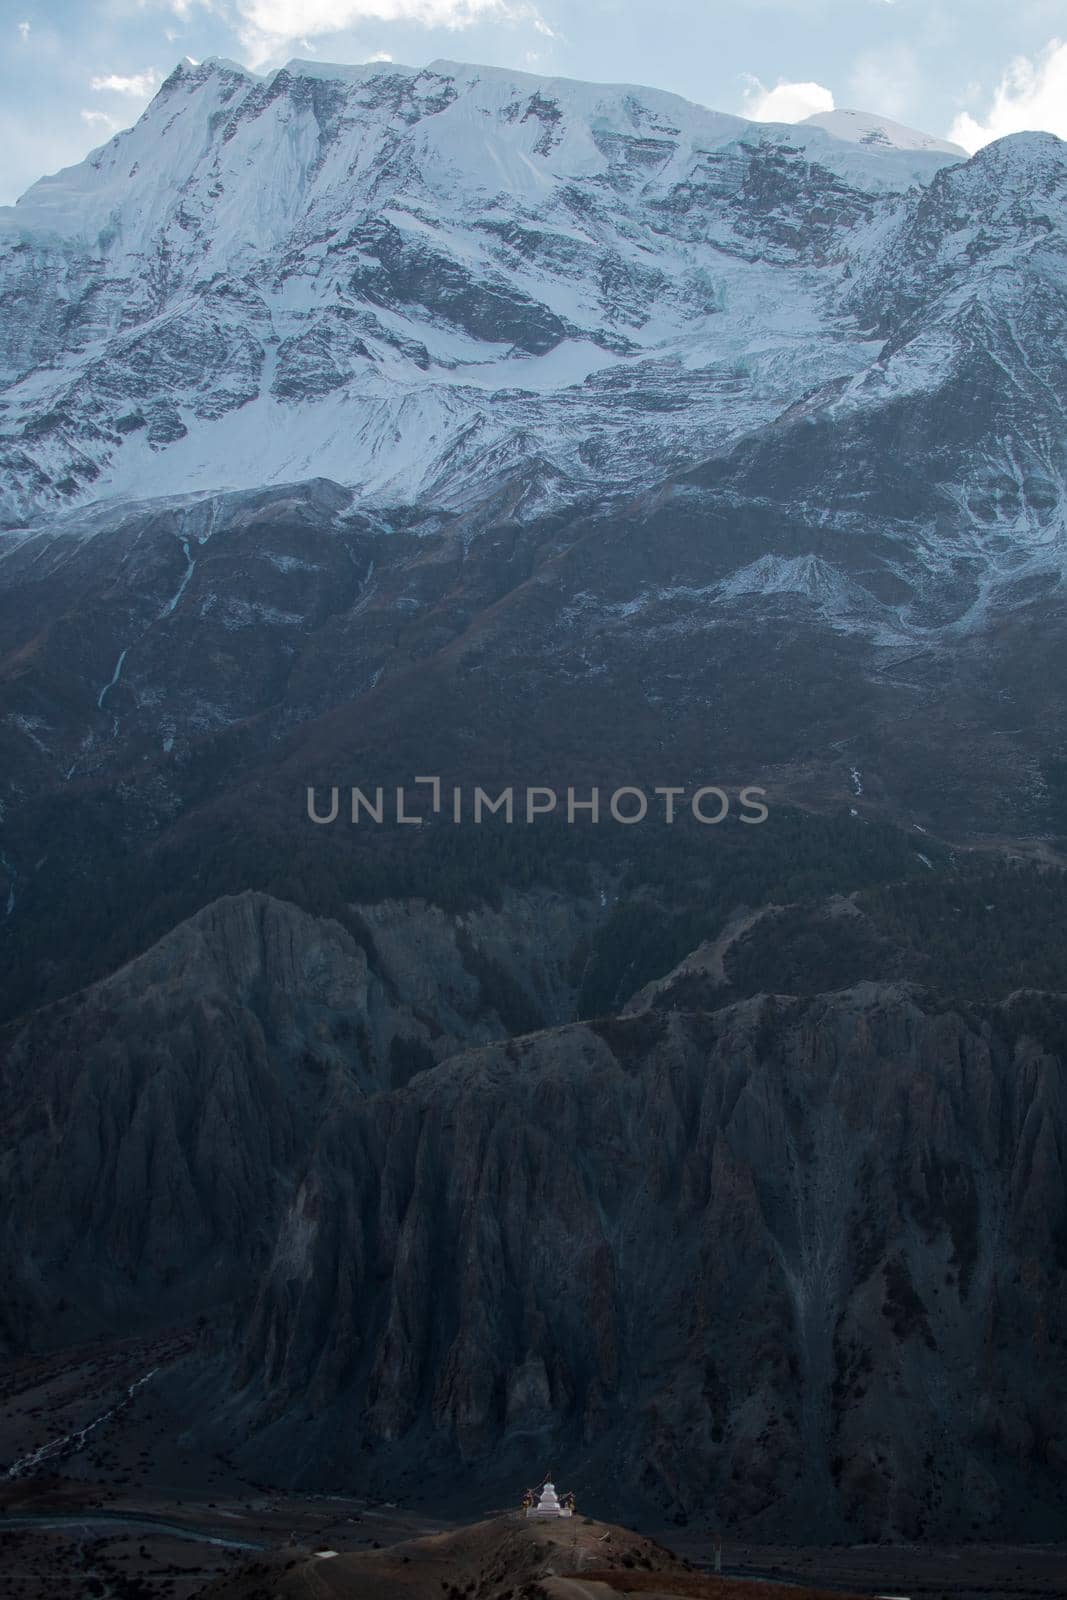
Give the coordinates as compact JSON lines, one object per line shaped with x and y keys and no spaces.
{"x":72,"y":72}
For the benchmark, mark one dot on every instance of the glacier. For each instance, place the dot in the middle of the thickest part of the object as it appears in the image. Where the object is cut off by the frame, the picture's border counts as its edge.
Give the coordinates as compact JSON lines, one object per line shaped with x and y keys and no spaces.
{"x":419,"y":283}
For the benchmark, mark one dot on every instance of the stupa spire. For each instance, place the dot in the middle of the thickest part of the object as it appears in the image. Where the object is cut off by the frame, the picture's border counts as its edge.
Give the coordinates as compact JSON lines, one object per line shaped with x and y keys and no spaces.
{"x":548,"y":1505}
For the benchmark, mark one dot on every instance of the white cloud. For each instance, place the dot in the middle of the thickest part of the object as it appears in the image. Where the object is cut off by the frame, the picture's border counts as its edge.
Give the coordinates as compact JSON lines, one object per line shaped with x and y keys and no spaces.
{"x":269,"y":27}
{"x":295,"y":19}
{"x":786,"y":102}
{"x":24,"y":29}
{"x":139,"y":84}
{"x":1032,"y":95}
{"x":886,"y":81}
{"x":100,"y":119}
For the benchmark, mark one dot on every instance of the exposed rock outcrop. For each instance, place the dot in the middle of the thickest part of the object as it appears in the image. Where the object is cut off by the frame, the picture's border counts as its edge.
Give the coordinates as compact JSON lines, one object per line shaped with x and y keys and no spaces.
{"x":790,"y":1259}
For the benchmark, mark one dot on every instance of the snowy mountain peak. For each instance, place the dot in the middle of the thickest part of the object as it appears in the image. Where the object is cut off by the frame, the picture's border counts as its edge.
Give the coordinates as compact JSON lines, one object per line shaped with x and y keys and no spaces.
{"x":1032,"y":156}
{"x":423,"y":282}
{"x":866,"y":128}
{"x":353,"y":72}
{"x":199,"y":71}
{"x":214,"y":128}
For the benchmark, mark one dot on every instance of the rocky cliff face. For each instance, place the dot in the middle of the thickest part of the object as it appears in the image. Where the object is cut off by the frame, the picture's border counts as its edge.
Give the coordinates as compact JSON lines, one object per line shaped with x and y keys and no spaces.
{"x":181,"y":1089}
{"x":864,"y":1202}
{"x":790,"y":1259}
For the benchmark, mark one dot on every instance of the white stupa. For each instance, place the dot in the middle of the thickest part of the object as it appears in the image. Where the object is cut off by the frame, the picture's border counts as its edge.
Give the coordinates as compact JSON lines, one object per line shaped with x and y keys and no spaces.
{"x":548,"y":1505}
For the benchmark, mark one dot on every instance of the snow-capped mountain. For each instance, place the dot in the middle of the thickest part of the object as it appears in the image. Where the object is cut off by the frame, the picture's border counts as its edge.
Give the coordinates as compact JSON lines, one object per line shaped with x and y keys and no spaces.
{"x":421,"y":282}
{"x":861,"y":127}
{"x":357,"y":423}
{"x":818,"y":368}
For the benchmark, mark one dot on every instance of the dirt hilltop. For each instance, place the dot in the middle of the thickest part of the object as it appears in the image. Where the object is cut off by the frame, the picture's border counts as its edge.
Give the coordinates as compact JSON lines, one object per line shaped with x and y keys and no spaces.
{"x":505,"y":1558}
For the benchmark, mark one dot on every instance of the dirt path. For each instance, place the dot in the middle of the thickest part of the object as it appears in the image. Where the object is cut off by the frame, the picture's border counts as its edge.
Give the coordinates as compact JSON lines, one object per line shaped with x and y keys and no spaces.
{"x":91,"y":1522}
{"x":578,"y":1589}
{"x":708,"y":960}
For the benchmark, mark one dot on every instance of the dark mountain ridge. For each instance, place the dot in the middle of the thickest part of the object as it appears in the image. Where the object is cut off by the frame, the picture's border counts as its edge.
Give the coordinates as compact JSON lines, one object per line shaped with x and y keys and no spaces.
{"x":405,"y":1278}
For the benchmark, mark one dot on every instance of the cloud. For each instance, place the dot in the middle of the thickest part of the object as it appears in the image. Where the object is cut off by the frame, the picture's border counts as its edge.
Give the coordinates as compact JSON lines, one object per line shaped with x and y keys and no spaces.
{"x":267,"y":27}
{"x":786,"y":102}
{"x":886,"y":81}
{"x":294,"y":19}
{"x":24,"y":29}
{"x":1032,"y":95}
{"x":139,"y":84}
{"x":100,"y":119}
